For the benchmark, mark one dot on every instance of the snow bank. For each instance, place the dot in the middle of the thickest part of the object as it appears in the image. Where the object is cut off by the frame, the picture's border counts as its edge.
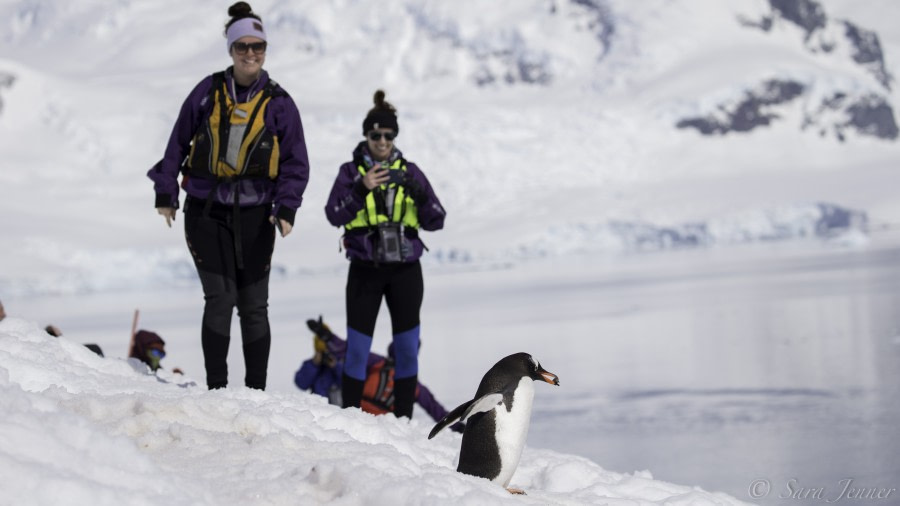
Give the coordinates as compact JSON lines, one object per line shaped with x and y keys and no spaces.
{"x":81,"y":429}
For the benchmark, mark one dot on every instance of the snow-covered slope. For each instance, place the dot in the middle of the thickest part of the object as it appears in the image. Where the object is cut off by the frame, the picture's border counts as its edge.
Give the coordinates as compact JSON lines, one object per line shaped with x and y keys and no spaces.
{"x":79,"y":429}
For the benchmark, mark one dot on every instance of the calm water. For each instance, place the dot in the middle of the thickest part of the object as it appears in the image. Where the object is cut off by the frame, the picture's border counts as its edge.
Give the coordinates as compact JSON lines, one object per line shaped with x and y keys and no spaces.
{"x":770,"y":375}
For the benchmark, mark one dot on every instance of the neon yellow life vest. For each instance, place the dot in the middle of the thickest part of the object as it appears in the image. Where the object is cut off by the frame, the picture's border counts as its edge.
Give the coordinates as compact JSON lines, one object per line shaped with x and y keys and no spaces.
{"x":404,"y":208}
{"x":234,"y":140}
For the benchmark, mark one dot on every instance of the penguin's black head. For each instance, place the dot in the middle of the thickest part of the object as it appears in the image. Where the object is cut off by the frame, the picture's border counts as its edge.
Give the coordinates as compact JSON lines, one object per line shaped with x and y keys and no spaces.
{"x":530,"y":367}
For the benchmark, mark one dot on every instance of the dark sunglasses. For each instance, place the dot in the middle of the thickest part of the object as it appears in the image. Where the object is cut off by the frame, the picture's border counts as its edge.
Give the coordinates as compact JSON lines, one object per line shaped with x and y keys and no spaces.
{"x":242,"y":47}
{"x":376,"y":136}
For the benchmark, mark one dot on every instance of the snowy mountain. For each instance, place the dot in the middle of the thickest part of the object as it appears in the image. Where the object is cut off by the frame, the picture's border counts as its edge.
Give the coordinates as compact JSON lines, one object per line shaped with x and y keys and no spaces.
{"x":853,"y":104}
{"x":576,"y":105}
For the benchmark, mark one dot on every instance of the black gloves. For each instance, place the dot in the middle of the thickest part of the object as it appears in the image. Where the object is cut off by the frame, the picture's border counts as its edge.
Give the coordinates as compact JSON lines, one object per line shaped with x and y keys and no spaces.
{"x":319,"y":328}
{"x":414,"y":189}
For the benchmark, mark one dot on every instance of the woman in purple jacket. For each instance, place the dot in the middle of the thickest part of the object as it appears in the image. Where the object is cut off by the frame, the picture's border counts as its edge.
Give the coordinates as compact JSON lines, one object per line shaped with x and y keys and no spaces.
{"x":382,"y":201}
{"x":238,"y":144}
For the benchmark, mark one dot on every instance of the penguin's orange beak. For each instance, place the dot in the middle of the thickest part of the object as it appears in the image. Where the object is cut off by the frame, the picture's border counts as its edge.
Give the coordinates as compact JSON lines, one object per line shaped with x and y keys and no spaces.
{"x":548,"y":376}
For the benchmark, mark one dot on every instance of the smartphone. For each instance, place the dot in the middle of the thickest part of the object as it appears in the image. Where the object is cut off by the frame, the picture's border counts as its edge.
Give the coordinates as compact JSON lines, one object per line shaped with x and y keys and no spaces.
{"x":396,"y":177}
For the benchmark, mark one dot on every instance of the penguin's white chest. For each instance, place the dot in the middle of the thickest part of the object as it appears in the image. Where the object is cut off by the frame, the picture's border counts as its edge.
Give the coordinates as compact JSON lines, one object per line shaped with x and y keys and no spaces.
{"x":512,"y":429}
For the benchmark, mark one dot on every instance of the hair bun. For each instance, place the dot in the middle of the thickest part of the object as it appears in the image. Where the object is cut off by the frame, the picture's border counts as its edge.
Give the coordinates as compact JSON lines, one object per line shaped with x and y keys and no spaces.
{"x":383,"y":115}
{"x":240,"y":9}
{"x":380,"y":102}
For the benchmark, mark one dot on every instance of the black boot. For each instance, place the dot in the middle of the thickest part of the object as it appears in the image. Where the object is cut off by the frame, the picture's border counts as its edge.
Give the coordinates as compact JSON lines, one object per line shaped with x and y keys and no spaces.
{"x":351,"y":391}
{"x":256,"y":362}
{"x":405,"y":396}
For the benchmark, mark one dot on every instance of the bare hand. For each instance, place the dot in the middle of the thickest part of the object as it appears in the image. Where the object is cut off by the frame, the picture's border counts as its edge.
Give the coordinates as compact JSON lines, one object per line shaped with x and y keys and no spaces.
{"x":376,"y":177}
{"x":168,"y":213}
{"x":285,"y":226}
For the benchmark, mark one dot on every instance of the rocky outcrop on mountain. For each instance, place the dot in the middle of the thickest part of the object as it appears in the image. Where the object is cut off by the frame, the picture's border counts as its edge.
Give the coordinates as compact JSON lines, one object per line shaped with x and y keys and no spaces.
{"x":600,"y":20}
{"x":861,"y":109}
{"x":811,"y":17}
{"x":753,"y":110}
{"x":867,"y":114}
{"x":6,"y":81}
{"x":868,"y":53}
{"x":807,"y":14}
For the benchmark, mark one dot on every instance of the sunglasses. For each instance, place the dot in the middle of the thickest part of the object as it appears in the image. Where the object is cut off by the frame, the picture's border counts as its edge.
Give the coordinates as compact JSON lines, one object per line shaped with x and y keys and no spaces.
{"x":243,"y":47}
{"x":376,"y":136}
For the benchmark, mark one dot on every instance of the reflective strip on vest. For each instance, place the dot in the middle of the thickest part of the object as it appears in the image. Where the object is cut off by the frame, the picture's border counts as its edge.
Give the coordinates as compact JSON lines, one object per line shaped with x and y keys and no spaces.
{"x":403,"y":208}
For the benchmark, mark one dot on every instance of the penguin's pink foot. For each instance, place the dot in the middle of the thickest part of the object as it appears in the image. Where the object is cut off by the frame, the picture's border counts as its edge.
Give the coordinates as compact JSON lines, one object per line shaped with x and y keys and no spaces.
{"x":516,"y":491}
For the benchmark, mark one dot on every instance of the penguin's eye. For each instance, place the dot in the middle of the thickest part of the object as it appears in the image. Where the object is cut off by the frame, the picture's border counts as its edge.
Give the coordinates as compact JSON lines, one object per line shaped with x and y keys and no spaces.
{"x":534,"y":363}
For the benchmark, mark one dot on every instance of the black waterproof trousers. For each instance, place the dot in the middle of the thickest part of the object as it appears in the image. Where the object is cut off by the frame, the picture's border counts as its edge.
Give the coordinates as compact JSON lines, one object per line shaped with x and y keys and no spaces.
{"x":211,"y":240}
{"x":401,"y":287}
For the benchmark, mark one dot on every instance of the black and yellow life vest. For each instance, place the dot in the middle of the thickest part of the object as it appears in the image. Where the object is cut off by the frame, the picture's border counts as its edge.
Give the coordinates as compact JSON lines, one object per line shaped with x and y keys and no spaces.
{"x":403,"y":209}
{"x":233,"y":141}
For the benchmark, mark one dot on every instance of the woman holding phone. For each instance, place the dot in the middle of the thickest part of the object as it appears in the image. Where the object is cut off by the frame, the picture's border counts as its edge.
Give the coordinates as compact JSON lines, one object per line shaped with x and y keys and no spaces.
{"x":383,"y":201}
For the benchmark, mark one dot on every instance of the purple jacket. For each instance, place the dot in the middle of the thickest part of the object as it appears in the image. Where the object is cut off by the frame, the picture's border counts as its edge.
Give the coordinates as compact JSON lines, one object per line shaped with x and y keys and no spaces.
{"x":282,"y":118}
{"x":348,"y":197}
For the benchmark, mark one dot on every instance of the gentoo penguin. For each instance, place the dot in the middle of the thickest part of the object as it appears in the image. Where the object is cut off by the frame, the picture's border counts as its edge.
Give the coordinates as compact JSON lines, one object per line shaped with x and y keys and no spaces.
{"x":497,"y":419}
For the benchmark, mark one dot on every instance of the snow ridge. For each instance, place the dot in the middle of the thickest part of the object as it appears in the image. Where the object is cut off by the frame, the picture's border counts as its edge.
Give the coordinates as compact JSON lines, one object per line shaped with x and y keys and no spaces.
{"x":79,"y":429}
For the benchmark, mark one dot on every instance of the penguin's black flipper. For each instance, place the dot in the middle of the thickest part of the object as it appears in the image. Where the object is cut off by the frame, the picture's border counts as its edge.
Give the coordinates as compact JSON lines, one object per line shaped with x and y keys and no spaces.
{"x":450,"y":418}
{"x":464,"y":411}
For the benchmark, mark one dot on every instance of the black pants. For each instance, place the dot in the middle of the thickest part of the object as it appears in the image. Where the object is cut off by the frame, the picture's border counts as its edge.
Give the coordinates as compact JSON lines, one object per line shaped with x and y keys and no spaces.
{"x":211,"y":242}
{"x":401,"y":287}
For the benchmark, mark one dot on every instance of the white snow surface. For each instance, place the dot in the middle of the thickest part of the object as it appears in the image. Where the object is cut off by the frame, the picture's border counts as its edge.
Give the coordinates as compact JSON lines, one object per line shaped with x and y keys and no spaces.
{"x":81,"y":429}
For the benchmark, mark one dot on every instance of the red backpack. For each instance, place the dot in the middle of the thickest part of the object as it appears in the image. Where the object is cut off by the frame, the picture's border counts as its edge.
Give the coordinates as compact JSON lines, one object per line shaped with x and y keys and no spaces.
{"x":378,"y":390}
